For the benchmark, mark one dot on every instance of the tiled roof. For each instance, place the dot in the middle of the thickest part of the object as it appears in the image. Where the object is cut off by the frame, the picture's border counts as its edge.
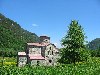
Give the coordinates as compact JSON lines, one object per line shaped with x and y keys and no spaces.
{"x":41,"y":44}
{"x":21,"y":53}
{"x":36,"y":56}
{"x":38,"y":44}
{"x":45,"y":44}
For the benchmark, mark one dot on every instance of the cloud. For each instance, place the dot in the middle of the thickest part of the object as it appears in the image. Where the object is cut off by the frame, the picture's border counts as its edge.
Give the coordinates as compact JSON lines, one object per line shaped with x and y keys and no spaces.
{"x":44,"y":34}
{"x":58,"y":45}
{"x":35,"y":25}
{"x":55,"y":44}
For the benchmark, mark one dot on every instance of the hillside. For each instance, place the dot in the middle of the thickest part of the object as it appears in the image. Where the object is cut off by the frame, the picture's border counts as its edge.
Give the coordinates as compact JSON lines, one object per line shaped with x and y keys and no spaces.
{"x":12,"y":36}
{"x":94,"y":44}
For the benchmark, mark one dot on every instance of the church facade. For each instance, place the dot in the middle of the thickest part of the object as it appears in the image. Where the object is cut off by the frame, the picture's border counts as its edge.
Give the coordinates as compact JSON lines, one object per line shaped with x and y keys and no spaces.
{"x":42,"y":53}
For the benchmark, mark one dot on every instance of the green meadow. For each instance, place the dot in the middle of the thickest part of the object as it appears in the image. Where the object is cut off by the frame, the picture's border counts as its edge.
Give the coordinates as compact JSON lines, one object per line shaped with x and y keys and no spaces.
{"x":91,"y":67}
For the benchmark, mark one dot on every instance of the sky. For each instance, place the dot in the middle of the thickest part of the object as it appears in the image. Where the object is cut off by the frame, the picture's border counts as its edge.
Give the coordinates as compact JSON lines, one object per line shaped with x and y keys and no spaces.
{"x":52,"y":17}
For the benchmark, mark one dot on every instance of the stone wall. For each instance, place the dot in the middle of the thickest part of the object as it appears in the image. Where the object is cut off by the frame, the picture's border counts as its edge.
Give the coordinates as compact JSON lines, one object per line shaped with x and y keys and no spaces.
{"x":51,"y":54}
{"x":35,"y":50}
{"x":22,"y":61}
{"x":37,"y":62}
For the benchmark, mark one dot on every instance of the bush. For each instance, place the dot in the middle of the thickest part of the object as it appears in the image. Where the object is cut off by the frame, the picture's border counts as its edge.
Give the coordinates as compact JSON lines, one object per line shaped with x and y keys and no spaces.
{"x":95,"y":53}
{"x":81,"y":68}
{"x":8,"y":52}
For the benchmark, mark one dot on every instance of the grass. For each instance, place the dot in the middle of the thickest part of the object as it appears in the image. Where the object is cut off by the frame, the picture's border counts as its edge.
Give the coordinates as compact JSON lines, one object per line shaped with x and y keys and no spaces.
{"x":8,"y":61}
{"x":92,"y":67}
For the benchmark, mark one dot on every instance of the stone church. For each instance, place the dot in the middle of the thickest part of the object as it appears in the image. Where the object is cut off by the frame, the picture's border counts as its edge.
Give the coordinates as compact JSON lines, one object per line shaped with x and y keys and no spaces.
{"x":42,"y":53}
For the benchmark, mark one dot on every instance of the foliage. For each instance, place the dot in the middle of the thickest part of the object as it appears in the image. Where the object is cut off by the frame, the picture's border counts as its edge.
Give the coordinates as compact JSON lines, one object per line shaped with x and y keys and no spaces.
{"x":8,"y":52}
{"x":95,"y":53}
{"x":74,"y":49}
{"x":6,"y":61}
{"x":13,"y":36}
{"x":94,"y":47}
{"x":81,"y":68}
{"x":94,"y":44}
{"x":9,"y":59}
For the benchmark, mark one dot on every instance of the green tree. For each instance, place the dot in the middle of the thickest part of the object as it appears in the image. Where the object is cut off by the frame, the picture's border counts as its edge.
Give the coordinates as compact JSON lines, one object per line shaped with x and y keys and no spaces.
{"x":74,"y":49}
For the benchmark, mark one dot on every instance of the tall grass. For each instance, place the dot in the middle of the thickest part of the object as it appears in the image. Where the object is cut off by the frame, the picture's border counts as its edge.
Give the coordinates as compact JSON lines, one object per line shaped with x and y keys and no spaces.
{"x":91,"y":67}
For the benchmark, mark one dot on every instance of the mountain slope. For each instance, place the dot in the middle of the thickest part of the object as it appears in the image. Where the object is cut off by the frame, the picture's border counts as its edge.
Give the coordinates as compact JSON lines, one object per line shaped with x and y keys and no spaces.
{"x":94,"y":44}
{"x":13,"y":36}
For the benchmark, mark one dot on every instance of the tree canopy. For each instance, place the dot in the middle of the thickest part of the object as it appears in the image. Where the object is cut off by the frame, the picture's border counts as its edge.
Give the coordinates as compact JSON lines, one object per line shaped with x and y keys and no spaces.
{"x":12,"y":36}
{"x":73,"y":43}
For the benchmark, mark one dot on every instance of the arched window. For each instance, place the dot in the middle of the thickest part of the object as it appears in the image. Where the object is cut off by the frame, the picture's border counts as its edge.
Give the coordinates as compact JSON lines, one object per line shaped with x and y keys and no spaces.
{"x":52,"y":52}
{"x":48,"y":52}
{"x":50,"y":61}
{"x":50,"y":48}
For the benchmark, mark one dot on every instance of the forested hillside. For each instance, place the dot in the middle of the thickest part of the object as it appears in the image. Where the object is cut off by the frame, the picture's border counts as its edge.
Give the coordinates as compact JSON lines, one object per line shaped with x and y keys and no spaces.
{"x":12,"y":36}
{"x":94,"y":44}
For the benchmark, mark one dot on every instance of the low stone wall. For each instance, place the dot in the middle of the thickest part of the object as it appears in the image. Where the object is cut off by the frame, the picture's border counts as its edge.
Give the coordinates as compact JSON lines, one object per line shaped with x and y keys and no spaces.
{"x":37,"y":62}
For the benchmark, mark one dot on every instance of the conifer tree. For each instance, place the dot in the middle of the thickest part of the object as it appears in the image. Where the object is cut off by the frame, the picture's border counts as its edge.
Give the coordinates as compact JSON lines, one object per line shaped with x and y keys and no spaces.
{"x":74,"y":49}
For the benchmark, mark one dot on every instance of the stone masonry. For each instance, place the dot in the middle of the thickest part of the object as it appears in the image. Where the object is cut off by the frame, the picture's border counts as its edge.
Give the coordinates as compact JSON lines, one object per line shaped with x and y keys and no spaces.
{"x":42,"y":53}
